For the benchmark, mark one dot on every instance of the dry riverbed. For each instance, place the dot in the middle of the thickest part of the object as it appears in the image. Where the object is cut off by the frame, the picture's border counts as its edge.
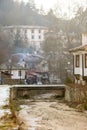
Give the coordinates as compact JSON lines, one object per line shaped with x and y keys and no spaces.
{"x":45,"y":114}
{"x":7,"y":121}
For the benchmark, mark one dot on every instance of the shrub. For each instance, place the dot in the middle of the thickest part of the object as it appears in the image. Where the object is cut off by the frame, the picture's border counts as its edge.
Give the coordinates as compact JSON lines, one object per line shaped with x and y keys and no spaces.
{"x":85,"y":106}
{"x":68,"y":80}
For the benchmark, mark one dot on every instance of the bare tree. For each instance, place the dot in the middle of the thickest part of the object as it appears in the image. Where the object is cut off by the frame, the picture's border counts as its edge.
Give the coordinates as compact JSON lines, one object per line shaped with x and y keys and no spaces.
{"x":5,"y":46}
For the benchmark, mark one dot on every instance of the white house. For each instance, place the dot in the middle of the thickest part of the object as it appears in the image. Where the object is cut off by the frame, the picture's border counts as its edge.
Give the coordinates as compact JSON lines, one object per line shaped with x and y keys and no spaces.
{"x":16,"y":71}
{"x":34,"y":35}
{"x":80,"y":61}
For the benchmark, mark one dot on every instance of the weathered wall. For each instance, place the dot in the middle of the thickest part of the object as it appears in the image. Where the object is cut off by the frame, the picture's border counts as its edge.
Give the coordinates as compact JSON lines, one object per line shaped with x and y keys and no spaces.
{"x":76,"y":94}
{"x":28,"y":90}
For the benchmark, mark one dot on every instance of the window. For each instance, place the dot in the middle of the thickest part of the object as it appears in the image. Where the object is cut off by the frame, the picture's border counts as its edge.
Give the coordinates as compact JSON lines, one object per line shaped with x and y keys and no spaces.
{"x":39,"y":37}
{"x":32,"y":36}
{"x":77,"y":60}
{"x":85,"y":60}
{"x":19,"y":73}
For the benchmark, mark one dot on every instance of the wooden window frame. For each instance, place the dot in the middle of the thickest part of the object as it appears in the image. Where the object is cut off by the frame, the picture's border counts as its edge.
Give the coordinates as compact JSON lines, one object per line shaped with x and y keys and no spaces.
{"x":77,"y":61}
{"x":19,"y":73}
{"x":32,"y":37}
{"x":85,"y":60}
{"x":39,"y":37}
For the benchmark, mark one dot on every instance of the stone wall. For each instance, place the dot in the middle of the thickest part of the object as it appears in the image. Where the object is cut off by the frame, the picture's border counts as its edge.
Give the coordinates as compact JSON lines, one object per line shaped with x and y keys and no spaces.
{"x":76,"y":94}
{"x":25,"y":91}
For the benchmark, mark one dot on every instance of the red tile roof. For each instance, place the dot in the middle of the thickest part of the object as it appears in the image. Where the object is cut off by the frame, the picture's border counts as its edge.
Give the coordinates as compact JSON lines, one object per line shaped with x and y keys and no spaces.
{"x":80,"y":48}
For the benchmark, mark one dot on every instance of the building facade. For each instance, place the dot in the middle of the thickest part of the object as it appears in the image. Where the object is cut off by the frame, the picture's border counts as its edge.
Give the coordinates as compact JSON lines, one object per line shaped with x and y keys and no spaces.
{"x":80,"y":61}
{"x":33,"y":35}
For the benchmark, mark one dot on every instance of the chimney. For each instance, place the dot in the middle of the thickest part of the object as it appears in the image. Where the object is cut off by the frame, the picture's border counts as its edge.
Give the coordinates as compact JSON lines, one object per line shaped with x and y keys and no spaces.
{"x":84,"y":39}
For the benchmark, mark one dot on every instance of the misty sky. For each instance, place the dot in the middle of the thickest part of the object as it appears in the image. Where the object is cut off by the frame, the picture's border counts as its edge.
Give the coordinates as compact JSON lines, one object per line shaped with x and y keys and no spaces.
{"x":66,"y":6}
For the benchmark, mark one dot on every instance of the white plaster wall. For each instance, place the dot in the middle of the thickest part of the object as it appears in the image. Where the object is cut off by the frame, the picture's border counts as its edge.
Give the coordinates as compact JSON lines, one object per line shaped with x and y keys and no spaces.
{"x":16,"y":76}
{"x":36,"y":41}
{"x":29,"y":34}
{"x":36,"y":34}
{"x":85,"y":71}
{"x":77,"y":71}
{"x":84,"y":38}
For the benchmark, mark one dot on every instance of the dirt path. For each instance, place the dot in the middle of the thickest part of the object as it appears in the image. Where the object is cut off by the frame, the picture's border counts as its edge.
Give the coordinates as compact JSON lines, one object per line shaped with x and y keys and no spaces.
{"x":45,"y":115}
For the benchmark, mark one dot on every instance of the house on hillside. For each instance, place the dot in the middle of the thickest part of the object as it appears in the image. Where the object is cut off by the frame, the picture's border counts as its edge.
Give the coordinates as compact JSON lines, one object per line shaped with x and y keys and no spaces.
{"x":80,"y":61}
{"x":23,"y":68}
{"x":12,"y":73}
{"x":18,"y":72}
{"x":32,"y":35}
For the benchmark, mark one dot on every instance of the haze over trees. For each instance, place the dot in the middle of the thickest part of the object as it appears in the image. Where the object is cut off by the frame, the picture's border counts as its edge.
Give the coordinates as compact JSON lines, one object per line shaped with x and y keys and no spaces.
{"x":15,"y":13}
{"x":63,"y":34}
{"x":6,"y":46}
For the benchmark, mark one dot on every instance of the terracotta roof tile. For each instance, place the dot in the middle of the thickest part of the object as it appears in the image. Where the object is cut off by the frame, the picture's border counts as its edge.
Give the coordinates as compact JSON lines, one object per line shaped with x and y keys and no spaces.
{"x":80,"y":48}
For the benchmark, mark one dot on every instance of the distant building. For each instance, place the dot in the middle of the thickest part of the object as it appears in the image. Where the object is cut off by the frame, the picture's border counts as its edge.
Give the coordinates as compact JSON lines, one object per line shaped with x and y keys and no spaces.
{"x":12,"y":72}
{"x":80,"y":61}
{"x":34,"y":35}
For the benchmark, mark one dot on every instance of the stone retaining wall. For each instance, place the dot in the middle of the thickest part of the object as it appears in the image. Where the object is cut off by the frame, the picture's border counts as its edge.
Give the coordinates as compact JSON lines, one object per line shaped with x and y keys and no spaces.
{"x":78,"y":94}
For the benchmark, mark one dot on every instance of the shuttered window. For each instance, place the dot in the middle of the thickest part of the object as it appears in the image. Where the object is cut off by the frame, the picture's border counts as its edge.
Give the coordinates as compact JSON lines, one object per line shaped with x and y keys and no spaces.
{"x":77,"y":60}
{"x":19,"y":73}
{"x":85,"y":60}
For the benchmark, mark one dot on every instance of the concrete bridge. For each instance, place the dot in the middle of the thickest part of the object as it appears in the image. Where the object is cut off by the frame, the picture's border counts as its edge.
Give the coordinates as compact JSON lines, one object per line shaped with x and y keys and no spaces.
{"x":25,"y":90}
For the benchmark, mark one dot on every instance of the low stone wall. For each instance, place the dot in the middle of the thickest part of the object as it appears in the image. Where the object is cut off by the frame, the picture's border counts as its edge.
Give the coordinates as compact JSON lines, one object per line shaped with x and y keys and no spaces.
{"x":76,"y":94}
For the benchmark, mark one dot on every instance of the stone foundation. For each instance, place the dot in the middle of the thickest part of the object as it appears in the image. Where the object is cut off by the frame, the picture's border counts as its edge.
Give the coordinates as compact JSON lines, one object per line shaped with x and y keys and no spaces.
{"x":80,"y":80}
{"x":76,"y":94}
